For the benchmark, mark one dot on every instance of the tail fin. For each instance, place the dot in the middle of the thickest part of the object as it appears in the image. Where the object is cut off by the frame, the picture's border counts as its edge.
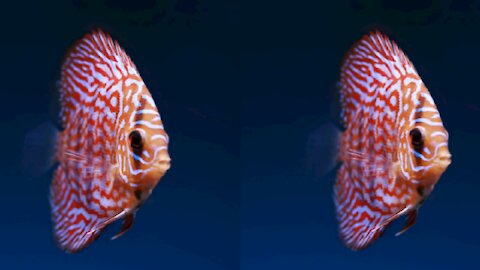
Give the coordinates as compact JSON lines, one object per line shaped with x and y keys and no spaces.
{"x":39,"y":150}
{"x":322,"y":150}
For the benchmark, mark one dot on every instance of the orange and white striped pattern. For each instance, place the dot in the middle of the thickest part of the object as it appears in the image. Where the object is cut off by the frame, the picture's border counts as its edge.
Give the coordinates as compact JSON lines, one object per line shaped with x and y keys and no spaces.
{"x":394,"y":148}
{"x":103,"y":175}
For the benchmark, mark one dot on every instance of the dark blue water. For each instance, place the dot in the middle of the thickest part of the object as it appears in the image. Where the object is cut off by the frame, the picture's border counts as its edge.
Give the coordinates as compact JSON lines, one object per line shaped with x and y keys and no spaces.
{"x":240,"y":87}
{"x":191,"y":220}
{"x":291,"y":66}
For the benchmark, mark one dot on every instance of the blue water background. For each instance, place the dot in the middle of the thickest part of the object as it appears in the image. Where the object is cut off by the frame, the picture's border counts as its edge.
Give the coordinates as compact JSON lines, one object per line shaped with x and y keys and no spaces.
{"x":241,"y":86}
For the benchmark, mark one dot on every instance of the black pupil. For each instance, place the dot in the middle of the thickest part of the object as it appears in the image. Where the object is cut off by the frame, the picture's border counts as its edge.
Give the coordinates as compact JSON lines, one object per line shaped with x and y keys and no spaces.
{"x":416,"y":136}
{"x":135,"y":140}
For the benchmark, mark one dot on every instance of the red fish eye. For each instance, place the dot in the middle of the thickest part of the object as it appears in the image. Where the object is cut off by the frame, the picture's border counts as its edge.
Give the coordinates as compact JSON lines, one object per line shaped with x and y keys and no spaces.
{"x":136,"y":141}
{"x":416,"y":137}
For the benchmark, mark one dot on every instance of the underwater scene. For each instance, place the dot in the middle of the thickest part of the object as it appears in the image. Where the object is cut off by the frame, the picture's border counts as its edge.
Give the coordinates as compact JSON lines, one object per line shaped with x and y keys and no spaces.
{"x":190,"y":134}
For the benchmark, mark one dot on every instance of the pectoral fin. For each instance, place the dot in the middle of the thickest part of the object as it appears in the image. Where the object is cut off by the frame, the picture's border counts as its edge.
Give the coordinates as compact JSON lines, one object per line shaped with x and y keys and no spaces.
{"x":411,"y":218}
{"x":321,"y":152}
{"x":126,"y":225}
{"x":38,"y":155}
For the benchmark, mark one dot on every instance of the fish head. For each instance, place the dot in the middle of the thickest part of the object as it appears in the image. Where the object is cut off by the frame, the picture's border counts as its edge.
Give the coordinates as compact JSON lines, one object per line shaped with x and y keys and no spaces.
{"x":426,"y":144}
{"x":150,"y":161}
{"x":147,"y":158}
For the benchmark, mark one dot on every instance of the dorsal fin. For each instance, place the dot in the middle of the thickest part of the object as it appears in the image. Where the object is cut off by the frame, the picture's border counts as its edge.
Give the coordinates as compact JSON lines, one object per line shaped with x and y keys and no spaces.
{"x":379,"y":47}
{"x":370,"y":63}
{"x":94,"y":62}
{"x":98,"y":47}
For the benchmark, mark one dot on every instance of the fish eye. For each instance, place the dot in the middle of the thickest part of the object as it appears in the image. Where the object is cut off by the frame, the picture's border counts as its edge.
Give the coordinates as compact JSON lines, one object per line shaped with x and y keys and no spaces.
{"x":417,"y":138}
{"x":136,"y":140}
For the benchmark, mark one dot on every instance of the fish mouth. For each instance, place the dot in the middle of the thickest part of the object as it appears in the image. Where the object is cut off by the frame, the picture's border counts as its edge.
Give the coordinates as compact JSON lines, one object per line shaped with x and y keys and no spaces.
{"x":163,"y":165}
{"x":160,"y":168}
{"x":444,"y":160}
{"x":441,"y":164}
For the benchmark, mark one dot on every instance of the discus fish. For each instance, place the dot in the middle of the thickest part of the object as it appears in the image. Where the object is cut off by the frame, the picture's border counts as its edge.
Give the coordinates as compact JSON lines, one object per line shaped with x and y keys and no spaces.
{"x":394,"y":147}
{"x":113,"y":148}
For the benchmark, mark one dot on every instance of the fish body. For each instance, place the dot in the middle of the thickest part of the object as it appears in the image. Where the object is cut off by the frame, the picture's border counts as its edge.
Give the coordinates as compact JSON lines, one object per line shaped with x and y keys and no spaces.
{"x":113,"y":148}
{"x":394,"y":147}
